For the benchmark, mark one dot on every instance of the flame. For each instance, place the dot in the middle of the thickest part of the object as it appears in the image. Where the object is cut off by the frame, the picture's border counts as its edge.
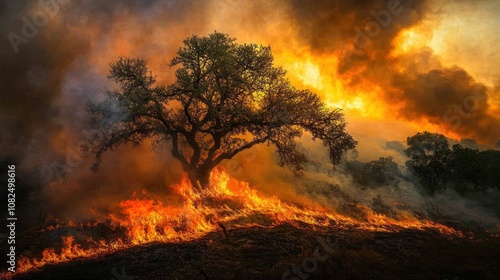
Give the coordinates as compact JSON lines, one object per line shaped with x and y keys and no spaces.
{"x":319,"y":73}
{"x":228,"y":202}
{"x":68,"y":252}
{"x":309,"y":74}
{"x":410,"y":39}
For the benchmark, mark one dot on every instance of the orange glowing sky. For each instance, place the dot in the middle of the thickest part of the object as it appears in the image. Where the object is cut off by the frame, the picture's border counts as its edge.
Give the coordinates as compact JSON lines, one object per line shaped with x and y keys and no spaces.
{"x":456,"y":34}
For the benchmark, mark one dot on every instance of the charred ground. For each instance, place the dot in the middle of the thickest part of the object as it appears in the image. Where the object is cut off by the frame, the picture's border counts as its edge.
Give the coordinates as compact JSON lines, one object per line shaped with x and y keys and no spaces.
{"x":267,"y":253}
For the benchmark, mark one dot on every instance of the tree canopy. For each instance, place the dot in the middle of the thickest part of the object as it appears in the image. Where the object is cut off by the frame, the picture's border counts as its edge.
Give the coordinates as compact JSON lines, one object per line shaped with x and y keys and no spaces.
{"x":374,"y":174}
{"x":428,"y":153}
{"x":438,"y":166}
{"x":227,"y":97}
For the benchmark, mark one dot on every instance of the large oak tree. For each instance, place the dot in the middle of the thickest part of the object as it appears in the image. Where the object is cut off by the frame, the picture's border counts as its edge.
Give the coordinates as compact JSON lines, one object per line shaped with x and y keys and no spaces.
{"x":227,"y":97}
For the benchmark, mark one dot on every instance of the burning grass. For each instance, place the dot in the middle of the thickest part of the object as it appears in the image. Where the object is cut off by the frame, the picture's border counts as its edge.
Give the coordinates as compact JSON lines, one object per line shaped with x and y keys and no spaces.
{"x":226,"y":203}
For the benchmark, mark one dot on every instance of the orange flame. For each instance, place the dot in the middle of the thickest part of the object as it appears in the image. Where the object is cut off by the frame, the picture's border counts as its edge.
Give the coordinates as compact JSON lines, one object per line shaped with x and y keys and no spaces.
{"x":228,"y":201}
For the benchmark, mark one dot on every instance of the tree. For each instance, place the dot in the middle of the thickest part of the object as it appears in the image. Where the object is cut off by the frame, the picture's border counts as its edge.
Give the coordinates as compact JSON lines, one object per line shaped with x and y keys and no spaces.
{"x":227,"y":97}
{"x":374,"y":174}
{"x":429,"y":156}
{"x":491,"y":161}
{"x":384,"y":171}
{"x":467,"y":169}
{"x":474,"y":170}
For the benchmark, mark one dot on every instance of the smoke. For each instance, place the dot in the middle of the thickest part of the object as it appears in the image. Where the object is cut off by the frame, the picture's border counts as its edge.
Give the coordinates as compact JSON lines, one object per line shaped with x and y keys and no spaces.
{"x":49,"y":70}
{"x":323,"y":25}
{"x":373,"y":35}
{"x":427,"y":94}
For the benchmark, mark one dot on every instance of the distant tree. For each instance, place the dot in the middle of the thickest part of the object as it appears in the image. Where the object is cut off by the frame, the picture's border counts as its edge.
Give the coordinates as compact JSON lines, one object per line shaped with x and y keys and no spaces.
{"x":466,"y":169}
{"x":227,"y":97}
{"x":384,"y":171}
{"x":462,"y":168}
{"x":358,"y":171}
{"x":374,"y":174}
{"x":474,"y":170}
{"x":491,"y":163}
{"x":428,"y":158}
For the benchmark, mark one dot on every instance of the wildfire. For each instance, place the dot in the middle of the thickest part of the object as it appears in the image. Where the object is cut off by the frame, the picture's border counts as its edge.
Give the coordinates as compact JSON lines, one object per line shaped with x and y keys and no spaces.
{"x":226,"y":202}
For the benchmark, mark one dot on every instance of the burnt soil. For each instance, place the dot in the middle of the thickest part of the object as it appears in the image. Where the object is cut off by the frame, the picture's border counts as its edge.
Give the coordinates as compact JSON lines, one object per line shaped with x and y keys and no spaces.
{"x":267,"y":253}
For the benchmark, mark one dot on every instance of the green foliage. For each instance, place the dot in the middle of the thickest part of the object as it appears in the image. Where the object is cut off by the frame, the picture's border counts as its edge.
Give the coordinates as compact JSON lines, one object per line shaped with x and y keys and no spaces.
{"x":429,"y":155}
{"x":374,"y":174}
{"x":474,"y":170}
{"x":466,"y":169}
{"x":491,"y":164}
{"x":463,"y":169}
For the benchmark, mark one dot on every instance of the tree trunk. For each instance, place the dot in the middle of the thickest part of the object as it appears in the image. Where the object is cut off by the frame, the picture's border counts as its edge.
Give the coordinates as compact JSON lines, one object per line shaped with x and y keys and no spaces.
{"x":199,"y":178}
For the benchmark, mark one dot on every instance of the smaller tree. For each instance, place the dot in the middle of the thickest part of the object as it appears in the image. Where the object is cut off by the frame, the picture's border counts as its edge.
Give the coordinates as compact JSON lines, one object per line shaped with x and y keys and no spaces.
{"x":384,"y":171}
{"x":376,"y":173}
{"x":466,"y":169}
{"x":428,"y":159}
{"x":491,"y":165}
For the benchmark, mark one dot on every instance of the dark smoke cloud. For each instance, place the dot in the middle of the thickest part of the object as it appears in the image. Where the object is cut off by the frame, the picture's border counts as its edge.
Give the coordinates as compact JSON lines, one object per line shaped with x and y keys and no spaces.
{"x":450,"y":97}
{"x":34,"y":71}
{"x":327,"y":25}
{"x":447,"y":97}
{"x":26,"y":101}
